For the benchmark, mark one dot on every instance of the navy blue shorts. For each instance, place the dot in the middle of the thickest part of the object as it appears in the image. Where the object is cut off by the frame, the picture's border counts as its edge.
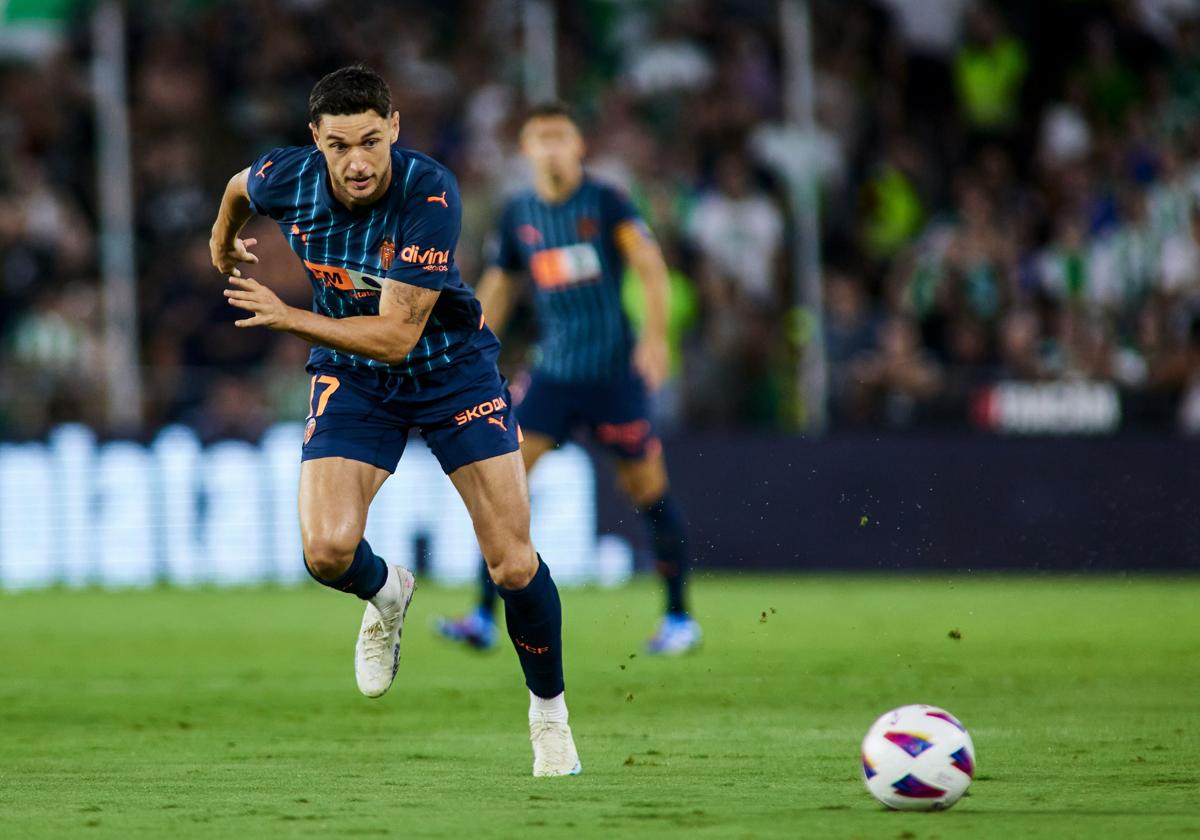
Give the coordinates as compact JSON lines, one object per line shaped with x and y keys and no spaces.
{"x":615,"y":414}
{"x":463,"y":412}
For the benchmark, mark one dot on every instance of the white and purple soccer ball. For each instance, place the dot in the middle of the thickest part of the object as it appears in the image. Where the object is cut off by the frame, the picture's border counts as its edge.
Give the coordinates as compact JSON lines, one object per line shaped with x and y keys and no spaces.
{"x":918,"y":758}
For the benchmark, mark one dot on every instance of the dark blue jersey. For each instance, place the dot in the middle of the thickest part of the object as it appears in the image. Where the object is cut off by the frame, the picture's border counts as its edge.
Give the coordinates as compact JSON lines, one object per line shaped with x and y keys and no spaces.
{"x":572,"y":251}
{"x":408,"y":235}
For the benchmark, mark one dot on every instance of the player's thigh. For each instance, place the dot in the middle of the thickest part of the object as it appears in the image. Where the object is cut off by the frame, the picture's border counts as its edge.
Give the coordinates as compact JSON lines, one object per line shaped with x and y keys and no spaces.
{"x":496,"y":495}
{"x":335,"y":494}
{"x":643,"y":479}
{"x":545,"y":413}
{"x":351,"y":445}
{"x":619,"y":415}
{"x":533,"y":446}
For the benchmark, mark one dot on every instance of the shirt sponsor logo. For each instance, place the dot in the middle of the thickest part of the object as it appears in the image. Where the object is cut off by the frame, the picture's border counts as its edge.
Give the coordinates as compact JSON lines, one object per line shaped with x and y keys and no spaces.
{"x":430,"y":259}
{"x":345,"y":279}
{"x":555,"y":268}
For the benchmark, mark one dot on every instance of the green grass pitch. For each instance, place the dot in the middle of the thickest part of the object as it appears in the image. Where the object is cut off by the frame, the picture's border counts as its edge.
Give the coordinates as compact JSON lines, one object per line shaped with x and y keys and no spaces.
{"x":226,"y":714}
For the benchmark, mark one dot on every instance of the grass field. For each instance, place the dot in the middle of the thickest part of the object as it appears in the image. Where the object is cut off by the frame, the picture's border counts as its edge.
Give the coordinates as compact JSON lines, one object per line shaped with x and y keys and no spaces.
{"x":234,"y":714}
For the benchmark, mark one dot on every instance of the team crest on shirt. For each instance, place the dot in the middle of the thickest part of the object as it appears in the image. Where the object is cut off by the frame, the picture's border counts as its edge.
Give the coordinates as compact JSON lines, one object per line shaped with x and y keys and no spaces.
{"x":387,"y":253}
{"x":309,"y":428}
{"x":587,"y":228}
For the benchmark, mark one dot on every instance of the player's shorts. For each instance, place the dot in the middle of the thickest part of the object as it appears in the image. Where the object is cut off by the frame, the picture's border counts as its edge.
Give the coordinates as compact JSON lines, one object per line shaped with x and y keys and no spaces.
{"x":615,"y":414}
{"x":463,"y":411}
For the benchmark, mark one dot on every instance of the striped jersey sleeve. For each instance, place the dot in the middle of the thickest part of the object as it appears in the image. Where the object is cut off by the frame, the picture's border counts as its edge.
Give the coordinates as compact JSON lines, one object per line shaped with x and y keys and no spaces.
{"x":275,"y":180}
{"x":505,"y":249}
{"x":430,"y":224}
{"x":622,"y":219}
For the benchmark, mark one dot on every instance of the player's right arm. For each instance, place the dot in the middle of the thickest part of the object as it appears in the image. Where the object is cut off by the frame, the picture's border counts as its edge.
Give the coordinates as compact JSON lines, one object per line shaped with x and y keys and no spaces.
{"x":227,"y":250}
{"x":496,"y":292}
{"x":497,"y":289}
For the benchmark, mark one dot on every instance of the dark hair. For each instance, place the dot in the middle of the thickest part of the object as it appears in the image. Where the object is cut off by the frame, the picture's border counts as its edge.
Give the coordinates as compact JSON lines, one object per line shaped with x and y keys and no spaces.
{"x":552,"y":108}
{"x":351,"y":90}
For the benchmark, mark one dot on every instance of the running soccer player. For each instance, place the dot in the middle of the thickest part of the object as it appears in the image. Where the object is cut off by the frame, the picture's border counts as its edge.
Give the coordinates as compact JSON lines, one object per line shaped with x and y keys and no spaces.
{"x":399,"y":342}
{"x":575,"y":236}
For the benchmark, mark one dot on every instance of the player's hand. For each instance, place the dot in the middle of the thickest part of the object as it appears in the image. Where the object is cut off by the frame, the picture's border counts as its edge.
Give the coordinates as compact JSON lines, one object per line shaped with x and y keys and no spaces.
{"x":652,"y":360}
{"x":252,"y":296}
{"x":227,"y":257}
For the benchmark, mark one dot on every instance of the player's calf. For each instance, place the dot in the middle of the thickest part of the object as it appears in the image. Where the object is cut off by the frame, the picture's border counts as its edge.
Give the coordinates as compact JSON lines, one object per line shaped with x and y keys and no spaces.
{"x":388,"y":591}
{"x":533,"y":616}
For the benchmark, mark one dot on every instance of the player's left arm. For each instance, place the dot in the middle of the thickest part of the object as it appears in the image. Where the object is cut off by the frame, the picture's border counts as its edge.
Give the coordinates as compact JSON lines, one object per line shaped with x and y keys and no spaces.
{"x":388,"y":337}
{"x":641,"y":252}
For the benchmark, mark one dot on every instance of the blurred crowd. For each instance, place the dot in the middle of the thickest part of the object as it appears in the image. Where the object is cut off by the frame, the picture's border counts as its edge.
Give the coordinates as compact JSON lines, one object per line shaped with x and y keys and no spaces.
{"x":1007,"y":192}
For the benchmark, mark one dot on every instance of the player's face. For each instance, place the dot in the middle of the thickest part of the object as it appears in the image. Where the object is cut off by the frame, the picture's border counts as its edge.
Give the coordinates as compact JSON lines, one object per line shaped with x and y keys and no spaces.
{"x":357,"y":149}
{"x":553,"y":146}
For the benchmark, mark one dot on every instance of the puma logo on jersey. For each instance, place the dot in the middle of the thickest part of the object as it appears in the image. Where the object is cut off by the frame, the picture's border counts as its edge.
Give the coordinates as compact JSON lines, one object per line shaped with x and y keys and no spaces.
{"x":438,"y":199}
{"x":498,"y":422}
{"x":260,"y":173}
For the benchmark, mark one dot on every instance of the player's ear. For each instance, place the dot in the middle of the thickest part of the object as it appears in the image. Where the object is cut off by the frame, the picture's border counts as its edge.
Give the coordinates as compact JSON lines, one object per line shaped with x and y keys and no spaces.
{"x":394,"y":128}
{"x":316,"y":136}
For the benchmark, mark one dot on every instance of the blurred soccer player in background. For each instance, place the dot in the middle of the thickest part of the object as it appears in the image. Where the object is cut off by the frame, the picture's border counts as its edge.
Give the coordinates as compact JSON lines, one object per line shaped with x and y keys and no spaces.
{"x":574,"y":236}
{"x":399,"y":342}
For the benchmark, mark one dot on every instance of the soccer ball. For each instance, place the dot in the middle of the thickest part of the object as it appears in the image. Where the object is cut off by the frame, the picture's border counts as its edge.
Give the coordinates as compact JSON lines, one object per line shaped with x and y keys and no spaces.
{"x":918,"y":758}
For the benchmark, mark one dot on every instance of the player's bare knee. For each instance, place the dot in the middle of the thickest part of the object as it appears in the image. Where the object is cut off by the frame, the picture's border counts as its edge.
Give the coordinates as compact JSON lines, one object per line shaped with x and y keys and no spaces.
{"x":644,"y":490}
{"x":329,"y":553}
{"x":513,"y":568}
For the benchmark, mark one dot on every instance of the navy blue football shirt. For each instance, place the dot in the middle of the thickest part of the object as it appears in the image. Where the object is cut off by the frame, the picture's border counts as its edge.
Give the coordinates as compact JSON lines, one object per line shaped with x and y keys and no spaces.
{"x":573,"y":253}
{"x":408,"y":235}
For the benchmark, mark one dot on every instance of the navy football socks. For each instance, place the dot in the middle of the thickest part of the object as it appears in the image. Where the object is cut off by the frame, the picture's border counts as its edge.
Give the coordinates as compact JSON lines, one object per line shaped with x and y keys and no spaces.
{"x":665,"y":523}
{"x":487,"y":591}
{"x":365,"y":577}
{"x":534,"y":619}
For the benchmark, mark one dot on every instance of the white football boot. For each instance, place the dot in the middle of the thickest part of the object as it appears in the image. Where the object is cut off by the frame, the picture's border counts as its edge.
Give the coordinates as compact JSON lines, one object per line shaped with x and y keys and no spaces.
{"x":553,"y":747}
{"x":377,"y":652}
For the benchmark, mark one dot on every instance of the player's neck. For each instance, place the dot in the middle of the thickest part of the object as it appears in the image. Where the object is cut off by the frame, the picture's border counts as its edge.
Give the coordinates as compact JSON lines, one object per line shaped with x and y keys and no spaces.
{"x":555,"y":190}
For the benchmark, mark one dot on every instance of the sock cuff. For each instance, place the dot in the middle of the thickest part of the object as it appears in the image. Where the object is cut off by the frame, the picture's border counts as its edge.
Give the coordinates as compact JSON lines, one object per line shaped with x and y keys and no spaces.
{"x":552,"y":708}
{"x":531,"y":590}
{"x":365,"y":576}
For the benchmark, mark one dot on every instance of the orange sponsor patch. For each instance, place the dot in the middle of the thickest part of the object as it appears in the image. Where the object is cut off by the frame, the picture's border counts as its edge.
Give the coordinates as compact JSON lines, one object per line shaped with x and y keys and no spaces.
{"x":331,"y":276}
{"x":555,"y":268}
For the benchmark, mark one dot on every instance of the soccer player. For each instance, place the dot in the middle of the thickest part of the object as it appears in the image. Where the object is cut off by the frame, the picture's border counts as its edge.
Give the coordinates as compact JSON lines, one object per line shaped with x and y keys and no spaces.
{"x":399,"y":342}
{"x":575,"y":236}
